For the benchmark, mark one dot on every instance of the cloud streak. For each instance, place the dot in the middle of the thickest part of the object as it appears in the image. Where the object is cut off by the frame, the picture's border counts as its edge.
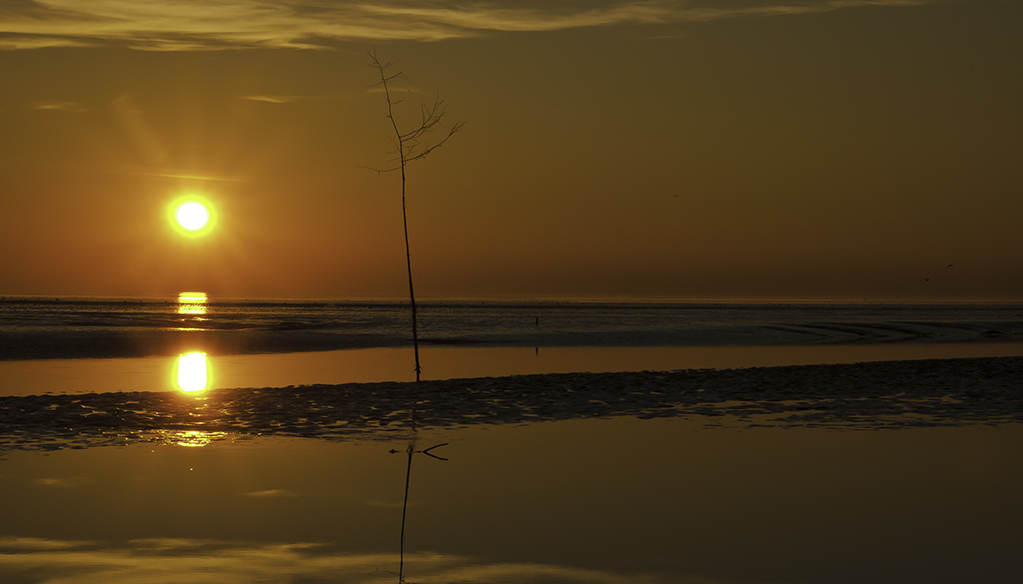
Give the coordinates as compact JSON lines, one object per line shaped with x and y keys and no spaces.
{"x":71,"y":482}
{"x":268,"y":98}
{"x":272,"y":493}
{"x":62,"y":106}
{"x":188,"y":25}
{"x":169,"y":561}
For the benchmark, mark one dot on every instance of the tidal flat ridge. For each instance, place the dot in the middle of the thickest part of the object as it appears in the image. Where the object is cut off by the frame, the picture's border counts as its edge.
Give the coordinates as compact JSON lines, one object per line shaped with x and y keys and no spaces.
{"x":860,"y":396}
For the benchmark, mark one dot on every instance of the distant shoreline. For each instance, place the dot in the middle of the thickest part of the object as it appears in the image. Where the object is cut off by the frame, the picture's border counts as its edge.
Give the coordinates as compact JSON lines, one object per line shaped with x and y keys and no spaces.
{"x":512,"y":301}
{"x":83,"y":332}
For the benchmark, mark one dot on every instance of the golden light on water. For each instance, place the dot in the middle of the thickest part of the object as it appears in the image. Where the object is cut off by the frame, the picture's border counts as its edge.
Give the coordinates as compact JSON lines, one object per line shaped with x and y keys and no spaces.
{"x":193,"y":374}
{"x":192,"y":303}
{"x":193,"y":438}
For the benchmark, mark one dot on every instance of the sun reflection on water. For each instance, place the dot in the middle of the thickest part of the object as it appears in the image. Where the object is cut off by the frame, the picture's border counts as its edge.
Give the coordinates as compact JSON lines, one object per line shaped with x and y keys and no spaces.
{"x":192,"y":372}
{"x":193,"y":438}
{"x":192,"y":303}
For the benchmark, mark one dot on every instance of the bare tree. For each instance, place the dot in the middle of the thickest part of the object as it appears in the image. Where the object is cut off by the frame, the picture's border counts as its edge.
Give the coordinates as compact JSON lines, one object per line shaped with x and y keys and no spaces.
{"x":411,"y":145}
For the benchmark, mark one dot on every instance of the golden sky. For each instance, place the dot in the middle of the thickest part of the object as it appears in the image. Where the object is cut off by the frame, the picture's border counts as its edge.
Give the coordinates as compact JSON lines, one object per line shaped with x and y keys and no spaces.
{"x":654,"y":149}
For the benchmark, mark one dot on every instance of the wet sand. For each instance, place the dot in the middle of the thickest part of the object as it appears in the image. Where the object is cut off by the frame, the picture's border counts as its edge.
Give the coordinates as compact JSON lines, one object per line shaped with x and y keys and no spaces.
{"x":890,"y":394}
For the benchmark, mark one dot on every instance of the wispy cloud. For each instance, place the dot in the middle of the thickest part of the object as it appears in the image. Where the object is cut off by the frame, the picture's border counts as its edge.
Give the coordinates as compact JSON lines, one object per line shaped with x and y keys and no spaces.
{"x":192,"y":177}
{"x":38,"y":544}
{"x":187,"y":25}
{"x":64,"y":106}
{"x":272,"y":493}
{"x":268,"y":98}
{"x":68,"y":482}
{"x":168,"y":561}
{"x":272,"y":98}
{"x":15,"y":43}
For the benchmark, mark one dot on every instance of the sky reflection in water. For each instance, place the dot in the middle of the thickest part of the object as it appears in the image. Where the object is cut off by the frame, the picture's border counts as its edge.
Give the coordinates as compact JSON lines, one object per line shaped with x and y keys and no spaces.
{"x":613,"y":500}
{"x":79,"y":376}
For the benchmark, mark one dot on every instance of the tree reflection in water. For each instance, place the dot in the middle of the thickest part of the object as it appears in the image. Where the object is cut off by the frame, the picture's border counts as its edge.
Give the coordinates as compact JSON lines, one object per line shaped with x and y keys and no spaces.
{"x":411,"y":450}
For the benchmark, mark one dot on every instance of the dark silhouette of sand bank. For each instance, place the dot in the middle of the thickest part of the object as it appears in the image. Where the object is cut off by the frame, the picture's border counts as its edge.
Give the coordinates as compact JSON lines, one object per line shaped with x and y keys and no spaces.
{"x":861,"y":396}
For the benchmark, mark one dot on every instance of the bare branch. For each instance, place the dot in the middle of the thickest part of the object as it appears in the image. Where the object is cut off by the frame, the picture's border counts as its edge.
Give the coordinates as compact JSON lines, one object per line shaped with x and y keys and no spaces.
{"x":382,"y":170}
{"x":409,"y":146}
{"x":452,"y":132}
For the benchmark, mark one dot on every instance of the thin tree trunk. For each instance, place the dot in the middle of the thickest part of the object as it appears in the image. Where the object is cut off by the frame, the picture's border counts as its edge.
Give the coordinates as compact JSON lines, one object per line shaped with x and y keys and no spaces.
{"x":408,"y":262}
{"x":411,"y":146}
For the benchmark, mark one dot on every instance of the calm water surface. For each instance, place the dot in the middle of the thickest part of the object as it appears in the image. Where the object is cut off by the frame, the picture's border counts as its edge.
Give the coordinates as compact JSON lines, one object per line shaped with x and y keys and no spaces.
{"x":691,"y":499}
{"x":83,"y":345}
{"x":617,"y":500}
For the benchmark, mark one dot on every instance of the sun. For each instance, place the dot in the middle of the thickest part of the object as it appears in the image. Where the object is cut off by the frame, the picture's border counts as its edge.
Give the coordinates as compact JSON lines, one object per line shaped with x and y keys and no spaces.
{"x":192,"y":216}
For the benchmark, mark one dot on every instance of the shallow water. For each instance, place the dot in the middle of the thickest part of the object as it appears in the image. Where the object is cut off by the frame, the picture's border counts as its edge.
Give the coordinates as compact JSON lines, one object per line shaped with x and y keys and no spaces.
{"x":110,"y":328}
{"x":79,"y":376}
{"x":732,"y":485}
{"x":611,"y":500}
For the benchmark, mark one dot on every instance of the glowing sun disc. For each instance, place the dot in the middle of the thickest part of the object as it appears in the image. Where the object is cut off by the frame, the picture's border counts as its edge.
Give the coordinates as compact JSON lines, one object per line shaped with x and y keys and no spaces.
{"x":192,"y":216}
